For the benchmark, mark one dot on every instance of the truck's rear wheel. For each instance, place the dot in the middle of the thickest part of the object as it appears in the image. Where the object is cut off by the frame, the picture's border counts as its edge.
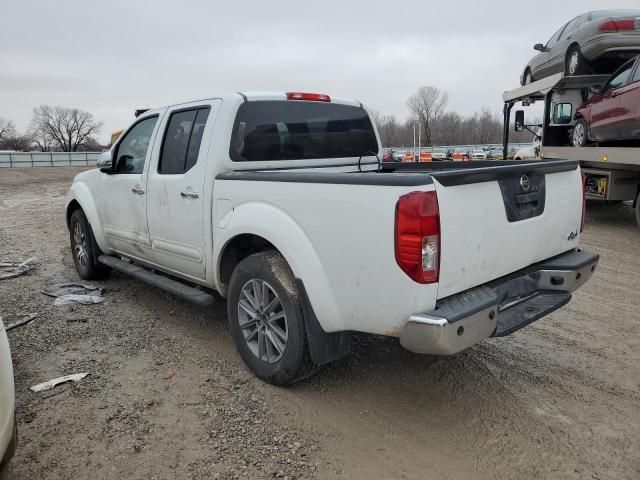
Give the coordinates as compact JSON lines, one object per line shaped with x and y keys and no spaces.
{"x":266,"y":319}
{"x":575,"y":63}
{"x":84,"y":248}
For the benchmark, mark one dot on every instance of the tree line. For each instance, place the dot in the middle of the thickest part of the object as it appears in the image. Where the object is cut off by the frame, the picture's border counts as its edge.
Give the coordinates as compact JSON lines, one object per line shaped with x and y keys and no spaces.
{"x":57,"y":129}
{"x":428,"y":107}
{"x":71,"y":129}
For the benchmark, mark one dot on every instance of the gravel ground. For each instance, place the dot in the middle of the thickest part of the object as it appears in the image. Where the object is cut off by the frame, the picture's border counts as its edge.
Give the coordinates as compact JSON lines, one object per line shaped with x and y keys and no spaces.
{"x":168,"y":396}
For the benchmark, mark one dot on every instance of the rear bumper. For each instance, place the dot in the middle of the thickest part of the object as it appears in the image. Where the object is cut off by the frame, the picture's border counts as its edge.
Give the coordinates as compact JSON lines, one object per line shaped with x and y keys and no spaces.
{"x":500,"y":307}
{"x":625,"y":44}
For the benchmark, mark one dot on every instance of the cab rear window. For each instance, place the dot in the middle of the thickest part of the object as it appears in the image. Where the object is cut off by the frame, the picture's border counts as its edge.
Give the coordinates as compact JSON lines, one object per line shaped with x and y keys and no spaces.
{"x":300,"y":130}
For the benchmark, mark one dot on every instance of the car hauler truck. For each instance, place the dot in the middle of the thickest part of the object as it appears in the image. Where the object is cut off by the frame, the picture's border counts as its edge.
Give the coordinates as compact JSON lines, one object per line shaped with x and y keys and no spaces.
{"x":611,"y":169}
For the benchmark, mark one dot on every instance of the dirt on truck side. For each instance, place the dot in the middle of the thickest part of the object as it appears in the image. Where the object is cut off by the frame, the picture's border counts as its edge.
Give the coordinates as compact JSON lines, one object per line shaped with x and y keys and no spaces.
{"x":167,"y":396}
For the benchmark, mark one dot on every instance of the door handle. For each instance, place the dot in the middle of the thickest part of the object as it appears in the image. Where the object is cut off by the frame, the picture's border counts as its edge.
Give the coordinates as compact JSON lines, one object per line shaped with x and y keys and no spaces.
{"x":189,"y":194}
{"x":138,"y":190}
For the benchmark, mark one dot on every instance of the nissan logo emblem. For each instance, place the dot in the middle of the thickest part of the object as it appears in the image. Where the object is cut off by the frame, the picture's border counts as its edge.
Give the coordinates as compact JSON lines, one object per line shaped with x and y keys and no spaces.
{"x":525,"y":183}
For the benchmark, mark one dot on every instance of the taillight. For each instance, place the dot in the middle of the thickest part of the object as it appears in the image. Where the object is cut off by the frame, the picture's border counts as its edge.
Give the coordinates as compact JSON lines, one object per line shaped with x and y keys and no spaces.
{"x":417,"y":238}
{"x":584,"y":201}
{"x":618,"y":25}
{"x":311,"y":97}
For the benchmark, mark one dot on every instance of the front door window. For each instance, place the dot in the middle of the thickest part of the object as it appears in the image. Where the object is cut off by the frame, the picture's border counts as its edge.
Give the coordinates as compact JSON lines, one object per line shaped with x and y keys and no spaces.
{"x":132,"y":149}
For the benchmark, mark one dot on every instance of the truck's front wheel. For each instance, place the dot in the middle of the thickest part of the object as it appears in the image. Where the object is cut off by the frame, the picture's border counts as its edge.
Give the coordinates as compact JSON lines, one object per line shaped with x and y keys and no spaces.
{"x":266,"y":319}
{"x":580,"y":134}
{"x":84,"y":248}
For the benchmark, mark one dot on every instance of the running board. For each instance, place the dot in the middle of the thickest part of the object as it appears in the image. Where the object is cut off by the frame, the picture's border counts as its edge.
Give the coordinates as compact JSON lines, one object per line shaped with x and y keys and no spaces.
{"x":179,"y":289}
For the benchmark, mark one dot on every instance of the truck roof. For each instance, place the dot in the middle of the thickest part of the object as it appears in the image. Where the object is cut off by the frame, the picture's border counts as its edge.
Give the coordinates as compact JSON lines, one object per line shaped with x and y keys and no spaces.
{"x":252,"y":96}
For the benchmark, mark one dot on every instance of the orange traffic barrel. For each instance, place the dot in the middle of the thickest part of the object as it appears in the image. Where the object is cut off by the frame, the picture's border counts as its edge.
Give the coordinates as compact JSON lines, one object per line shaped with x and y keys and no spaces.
{"x":426,"y":156}
{"x":407,"y":157}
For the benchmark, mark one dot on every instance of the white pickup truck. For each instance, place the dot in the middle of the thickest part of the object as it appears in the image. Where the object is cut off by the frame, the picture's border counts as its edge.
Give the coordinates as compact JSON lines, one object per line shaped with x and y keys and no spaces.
{"x":278,"y":203}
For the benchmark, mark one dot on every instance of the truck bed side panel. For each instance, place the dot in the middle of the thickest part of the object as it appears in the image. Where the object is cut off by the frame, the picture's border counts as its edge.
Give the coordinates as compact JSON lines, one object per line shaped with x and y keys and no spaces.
{"x":339,"y":239}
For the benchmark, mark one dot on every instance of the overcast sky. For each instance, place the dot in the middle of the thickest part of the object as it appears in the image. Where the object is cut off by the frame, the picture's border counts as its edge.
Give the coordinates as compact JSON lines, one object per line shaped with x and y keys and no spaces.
{"x":113,"y":56}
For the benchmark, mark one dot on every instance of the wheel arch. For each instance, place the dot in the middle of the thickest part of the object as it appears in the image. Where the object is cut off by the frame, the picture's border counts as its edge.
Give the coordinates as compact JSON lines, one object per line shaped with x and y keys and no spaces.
{"x":80,"y":198}
{"x":72,"y":207}
{"x":258,"y":226}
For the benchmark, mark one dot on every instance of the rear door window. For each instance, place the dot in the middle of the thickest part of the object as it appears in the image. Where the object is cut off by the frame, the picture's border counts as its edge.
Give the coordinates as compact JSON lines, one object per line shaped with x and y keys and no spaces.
{"x":182,"y":140}
{"x":620,"y":78}
{"x":300,"y":130}
{"x":571,"y":26}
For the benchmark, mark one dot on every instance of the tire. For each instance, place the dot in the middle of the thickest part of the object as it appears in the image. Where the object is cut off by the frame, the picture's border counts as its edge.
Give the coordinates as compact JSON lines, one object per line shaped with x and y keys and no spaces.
{"x":575,"y":63}
{"x":528,"y":78}
{"x":84,"y":249}
{"x":266,"y":319}
{"x":580,"y":134}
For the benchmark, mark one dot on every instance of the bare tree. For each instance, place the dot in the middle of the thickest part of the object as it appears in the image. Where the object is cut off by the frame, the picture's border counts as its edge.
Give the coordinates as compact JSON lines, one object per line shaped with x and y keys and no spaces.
{"x":428,"y":104}
{"x":390,"y":130}
{"x":447,"y":130}
{"x":19,"y":143}
{"x":41,"y":136}
{"x":7,"y":129}
{"x":67,"y":128}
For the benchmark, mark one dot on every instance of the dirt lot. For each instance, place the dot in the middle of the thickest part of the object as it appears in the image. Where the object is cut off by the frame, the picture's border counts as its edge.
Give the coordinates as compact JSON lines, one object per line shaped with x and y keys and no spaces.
{"x":559,"y":399}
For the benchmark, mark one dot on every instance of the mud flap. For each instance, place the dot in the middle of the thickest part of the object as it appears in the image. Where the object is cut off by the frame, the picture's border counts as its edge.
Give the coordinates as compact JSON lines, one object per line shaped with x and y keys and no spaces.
{"x":323,"y":347}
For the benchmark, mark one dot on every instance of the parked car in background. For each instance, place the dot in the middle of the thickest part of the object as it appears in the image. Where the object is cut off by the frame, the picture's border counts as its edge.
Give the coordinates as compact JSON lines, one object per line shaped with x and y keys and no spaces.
{"x":597,"y":41}
{"x":8,"y":432}
{"x":398,"y":155}
{"x":439,"y":153}
{"x":494,"y":153}
{"x":614,"y":112}
{"x":458,"y":155}
{"x":387,"y":155}
{"x":477,"y":155}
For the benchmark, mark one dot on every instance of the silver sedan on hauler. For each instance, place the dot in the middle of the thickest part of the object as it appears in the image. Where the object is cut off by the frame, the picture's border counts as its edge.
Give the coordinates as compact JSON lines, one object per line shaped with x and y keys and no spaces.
{"x":594,"y":42}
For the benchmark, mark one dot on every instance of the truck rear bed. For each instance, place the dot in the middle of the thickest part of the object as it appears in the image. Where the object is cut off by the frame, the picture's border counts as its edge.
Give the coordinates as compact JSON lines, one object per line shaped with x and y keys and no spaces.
{"x":499,"y":217}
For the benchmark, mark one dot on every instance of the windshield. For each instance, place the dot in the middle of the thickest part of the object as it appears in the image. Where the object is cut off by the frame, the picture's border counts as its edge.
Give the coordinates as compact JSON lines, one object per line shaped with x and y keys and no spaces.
{"x":614,"y":13}
{"x":300,"y":130}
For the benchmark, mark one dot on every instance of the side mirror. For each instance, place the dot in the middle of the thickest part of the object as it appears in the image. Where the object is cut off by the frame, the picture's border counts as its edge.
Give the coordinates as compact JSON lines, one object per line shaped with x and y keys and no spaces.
{"x":105,"y":162}
{"x":595,"y":89}
{"x":539,"y":47}
{"x":519,"y":124}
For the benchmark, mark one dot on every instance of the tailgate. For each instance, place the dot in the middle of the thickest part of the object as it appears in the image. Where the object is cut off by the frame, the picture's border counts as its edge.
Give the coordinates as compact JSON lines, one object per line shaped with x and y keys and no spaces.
{"x":496,"y":220}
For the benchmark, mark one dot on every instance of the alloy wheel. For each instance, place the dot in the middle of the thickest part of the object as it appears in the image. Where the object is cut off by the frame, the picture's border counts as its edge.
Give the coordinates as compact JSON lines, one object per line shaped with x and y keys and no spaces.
{"x":262,"y":320}
{"x":80,"y":249}
{"x":578,"y":135}
{"x":574,"y":60}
